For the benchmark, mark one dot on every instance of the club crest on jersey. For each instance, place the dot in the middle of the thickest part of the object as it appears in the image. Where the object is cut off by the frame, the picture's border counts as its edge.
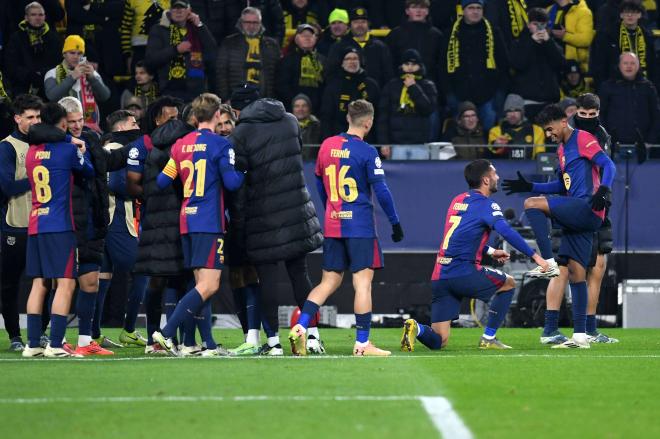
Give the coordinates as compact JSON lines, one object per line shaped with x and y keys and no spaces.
{"x":11,"y":240}
{"x":567,"y":180}
{"x":495,"y":206}
{"x":378,"y":162}
{"x":133,"y":153}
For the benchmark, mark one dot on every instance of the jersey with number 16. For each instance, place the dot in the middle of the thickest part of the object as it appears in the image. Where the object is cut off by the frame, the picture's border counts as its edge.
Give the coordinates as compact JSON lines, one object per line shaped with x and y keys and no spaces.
{"x":348,"y":167}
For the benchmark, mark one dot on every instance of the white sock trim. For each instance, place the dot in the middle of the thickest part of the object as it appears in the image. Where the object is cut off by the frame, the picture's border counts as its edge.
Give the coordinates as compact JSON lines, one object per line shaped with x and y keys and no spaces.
{"x":252,"y":336}
{"x":273,"y":341}
{"x":314,"y":331}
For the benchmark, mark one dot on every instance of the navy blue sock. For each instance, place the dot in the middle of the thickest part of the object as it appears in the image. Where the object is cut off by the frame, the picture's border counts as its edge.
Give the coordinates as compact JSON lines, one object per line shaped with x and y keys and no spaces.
{"x":104,"y":286}
{"x":591,"y":323}
{"x":499,"y":307}
{"x":253,"y":306}
{"x":189,"y":330}
{"x":190,"y":304}
{"x":45,"y":313}
{"x":539,"y":223}
{"x":310,"y":309}
{"x":362,"y":325}
{"x":135,"y":299}
{"x":270,"y":332}
{"x":169,"y":303}
{"x":551,"y":321}
{"x":204,"y":320}
{"x":429,"y":338}
{"x":579,"y":296}
{"x":34,"y":329}
{"x":85,"y":304}
{"x":154,"y":310}
{"x":57,"y":330}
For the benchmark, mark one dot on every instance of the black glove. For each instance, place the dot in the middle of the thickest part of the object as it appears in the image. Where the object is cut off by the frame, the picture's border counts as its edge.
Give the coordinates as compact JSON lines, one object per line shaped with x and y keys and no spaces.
{"x":515,"y":186}
{"x":241,"y":164}
{"x":601,"y":199}
{"x":397,"y":232}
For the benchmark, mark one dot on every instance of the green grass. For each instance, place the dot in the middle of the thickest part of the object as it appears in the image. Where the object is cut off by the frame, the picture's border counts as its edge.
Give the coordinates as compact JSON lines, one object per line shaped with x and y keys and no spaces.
{"x":609,"y":391}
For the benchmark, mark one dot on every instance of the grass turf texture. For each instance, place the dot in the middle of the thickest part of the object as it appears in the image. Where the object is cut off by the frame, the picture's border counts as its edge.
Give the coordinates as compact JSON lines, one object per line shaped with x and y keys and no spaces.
{"x":608,"y":391}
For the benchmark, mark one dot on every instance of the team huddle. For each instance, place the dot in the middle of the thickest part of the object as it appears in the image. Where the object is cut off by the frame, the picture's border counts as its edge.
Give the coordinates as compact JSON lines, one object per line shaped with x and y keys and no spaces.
{"x":199,"y":170}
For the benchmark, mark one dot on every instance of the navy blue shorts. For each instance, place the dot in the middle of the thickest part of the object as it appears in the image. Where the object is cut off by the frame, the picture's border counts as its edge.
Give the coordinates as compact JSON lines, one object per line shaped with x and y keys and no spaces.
{"x":87,"y":267}
{"x":52,"y":256}
{"x":203,"y":250}
{"x":448,"y":293}
{"x":355,"y":254}
{"x":578,"y":223}
{"x":120,"y":252}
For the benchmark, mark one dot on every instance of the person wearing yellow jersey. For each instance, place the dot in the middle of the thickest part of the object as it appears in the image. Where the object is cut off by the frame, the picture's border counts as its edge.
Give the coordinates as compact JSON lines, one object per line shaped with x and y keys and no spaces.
{"x":137,"y":19}
{"x":514,"y":136}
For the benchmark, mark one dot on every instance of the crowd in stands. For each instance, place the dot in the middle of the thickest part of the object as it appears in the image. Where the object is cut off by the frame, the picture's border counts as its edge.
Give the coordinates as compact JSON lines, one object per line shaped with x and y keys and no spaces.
{"x":469,"y":72}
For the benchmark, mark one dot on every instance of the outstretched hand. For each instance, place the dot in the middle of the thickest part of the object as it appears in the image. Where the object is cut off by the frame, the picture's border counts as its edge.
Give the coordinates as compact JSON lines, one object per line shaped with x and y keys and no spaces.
{"x":517,"y":186}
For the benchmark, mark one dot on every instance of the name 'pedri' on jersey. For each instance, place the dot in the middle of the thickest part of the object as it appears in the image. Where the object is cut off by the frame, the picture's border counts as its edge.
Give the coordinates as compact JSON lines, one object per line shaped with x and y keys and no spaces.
{"x":470,"y":218}
{"x":204,"y":162}
{"x":349,"y":167}
{"x":49,"y":169}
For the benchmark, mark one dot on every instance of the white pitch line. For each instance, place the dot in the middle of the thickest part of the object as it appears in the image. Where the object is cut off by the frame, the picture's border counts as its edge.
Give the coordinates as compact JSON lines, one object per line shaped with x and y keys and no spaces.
{"x":445,"y":418}
{"x":439,"y":356}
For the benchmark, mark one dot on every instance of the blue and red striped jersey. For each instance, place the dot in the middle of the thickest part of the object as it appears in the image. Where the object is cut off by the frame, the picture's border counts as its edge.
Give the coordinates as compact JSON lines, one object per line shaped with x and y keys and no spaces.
{"x":49,"y":169}
{"x":204,"y":162}
{"x":470,"y":218}
{"x":349,"y":167}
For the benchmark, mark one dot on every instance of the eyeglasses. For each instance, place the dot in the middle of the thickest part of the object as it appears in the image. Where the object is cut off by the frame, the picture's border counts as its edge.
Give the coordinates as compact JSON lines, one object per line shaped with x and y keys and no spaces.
{"x":250,"y":22}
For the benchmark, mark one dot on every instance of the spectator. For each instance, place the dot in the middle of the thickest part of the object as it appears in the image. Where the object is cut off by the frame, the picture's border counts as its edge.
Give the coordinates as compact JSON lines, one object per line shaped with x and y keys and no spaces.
{"x":271,"y":13}
{"x":310,"y":126}
{"x":137,"y":20}
{"x":297,"y":12}
{"x":377,"y":60}
{"x":31,"y":52}
{"x":466,"y":130}
{"x":6,"y":123}
{"x":134,"y":105}
{"x":509,"y":16}
{"x":227,"y":121}
{"x":536,"y":58}
{"x":406,"y":104}
{"x":419,"y":34}
{"x":177,"y":48}
{"x":336,"y":30}
{"x":568,"y":106}
{"x":475,"y":62}
{"x":15,"y":14}
{"x":571,"y":24}
{"x":248,"y":56}
{"x":342,"y":89}
{"x":629,"y":104}
{"x":76,"y":77}
{"x":630,"y":36}
{"x":143,"y":86}
{"x":515,"y":131}
{"x":444,"y":14}
{"x":301,"y":70}
{"x":574,"y":83}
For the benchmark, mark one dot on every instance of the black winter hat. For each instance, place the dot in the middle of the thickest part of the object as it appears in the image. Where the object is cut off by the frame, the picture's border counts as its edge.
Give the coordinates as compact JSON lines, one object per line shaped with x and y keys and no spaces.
{"x":244,"y":95}
{"x":411,"y":55}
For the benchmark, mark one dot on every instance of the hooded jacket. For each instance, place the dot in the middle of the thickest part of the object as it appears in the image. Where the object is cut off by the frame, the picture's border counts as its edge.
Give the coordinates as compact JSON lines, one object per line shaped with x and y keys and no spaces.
{"x":159,"y":249}
{"x":279,"y":220}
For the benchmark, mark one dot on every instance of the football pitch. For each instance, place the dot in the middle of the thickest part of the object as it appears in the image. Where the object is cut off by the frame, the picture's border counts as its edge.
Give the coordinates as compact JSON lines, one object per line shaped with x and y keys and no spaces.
{"x":608,"y":391}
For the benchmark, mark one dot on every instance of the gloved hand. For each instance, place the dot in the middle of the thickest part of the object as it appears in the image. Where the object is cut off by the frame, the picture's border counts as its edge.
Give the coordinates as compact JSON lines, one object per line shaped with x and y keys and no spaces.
{"x":241,"y":164}
{"x":601,"y":199}
{"x":397,"y":232}
{"x":516,"y":186}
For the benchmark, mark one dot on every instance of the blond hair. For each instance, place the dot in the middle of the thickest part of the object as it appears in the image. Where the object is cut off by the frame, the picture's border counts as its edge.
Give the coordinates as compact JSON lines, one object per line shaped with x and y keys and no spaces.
{"x":205,"y":106}
{"x":71,"y":104}
{"x":359,"y":109}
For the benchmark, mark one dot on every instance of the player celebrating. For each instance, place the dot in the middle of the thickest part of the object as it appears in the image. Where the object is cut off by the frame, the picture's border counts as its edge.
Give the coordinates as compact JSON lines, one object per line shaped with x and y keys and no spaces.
{"x":580,"y":213}
{"x":51,"y":249}
{"x":204,"y":162}
{"x":346,"y":169}
{"x":458,"y":272}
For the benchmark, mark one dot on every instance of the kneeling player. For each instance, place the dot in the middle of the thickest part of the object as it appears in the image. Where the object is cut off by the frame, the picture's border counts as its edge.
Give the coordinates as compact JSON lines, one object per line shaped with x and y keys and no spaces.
{"x":458,"y":272}
{"x":346,"y":169}
{"x":204,"y":162}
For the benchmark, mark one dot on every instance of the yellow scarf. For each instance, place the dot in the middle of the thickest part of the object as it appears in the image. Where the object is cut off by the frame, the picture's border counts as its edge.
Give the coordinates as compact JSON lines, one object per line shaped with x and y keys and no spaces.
{"x":453,"y":49}
{"x":639,"y":49}
{"x":311,"y":71}
{"x":253,"y":60}
{"x":35,"y":36}
{"x":406,"y":104}
{"x":363,"y":43}
{"x":518,"y":16}
{"x":177,"y":68}
{"x":3,"y":92}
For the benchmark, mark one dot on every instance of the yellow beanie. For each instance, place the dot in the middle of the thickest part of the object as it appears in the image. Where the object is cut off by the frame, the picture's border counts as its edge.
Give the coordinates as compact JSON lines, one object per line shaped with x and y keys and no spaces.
{"x":74,"y":42}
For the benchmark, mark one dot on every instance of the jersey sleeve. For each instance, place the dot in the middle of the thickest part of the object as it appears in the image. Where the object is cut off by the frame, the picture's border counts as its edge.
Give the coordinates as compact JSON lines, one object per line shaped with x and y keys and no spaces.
{"x":231,"y":178}
{"x":588,"y":145}
{"x":136,"y":157}
{"x":374,"y":165}
{"x":81,"y":162}
{"x":491,"y":212}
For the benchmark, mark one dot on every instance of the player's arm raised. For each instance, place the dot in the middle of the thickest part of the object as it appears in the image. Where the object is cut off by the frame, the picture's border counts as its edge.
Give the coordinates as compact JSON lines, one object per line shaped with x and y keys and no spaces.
{"x":521,"y":185}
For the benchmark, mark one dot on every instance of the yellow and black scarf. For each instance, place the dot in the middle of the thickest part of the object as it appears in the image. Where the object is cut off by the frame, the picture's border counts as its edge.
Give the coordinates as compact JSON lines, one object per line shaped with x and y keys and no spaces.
{"x":353,"y":87}
{"x":517,"y":15}
{"x":406,"y":104}
{"x":453,"y":49}
{"x":35,"y":36}
{"x":311,"y":70}
{"x":638,"y":47}
{"x":253,"y":60}
{"x":177,"y":68}
{"x":180,"y":68}
{"x":146,"y":96}
{"x":3,"y":93}
{"x":363,"y":43}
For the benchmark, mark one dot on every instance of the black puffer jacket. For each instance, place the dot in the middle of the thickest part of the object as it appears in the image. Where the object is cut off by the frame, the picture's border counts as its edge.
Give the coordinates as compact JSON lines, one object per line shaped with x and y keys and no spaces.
{"x":89,"y":196}
{"x":159,"y":250}
{"x":280,"y":219}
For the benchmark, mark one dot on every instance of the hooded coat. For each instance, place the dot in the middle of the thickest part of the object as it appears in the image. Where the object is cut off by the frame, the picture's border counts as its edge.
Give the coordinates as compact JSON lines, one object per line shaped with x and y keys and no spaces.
{"x":278,"y":220}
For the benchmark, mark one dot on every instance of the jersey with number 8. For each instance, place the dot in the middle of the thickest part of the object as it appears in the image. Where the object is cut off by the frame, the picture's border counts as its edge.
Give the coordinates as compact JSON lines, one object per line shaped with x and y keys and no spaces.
{"x":348,"y":167}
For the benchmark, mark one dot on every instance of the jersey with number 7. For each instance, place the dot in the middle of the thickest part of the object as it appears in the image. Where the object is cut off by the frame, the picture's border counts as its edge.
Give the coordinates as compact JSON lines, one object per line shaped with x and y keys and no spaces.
{"x":349,"y":167}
